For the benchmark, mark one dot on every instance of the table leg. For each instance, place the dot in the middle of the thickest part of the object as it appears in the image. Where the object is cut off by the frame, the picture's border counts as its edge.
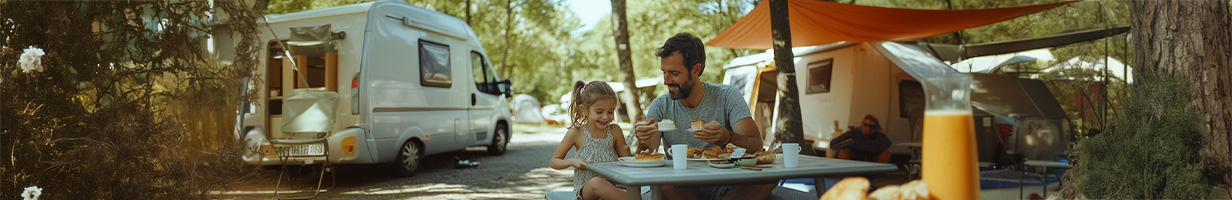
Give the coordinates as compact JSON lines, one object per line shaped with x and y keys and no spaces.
{"x":656,"y":192}
{"x":633,"y":192}
{"x":1045,"y":181}
{"x":819,"y":184}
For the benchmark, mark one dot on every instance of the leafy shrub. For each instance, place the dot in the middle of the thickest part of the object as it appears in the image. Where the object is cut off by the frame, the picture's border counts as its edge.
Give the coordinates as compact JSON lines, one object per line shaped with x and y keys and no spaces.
{"x":127,"y":104}
{"x":1153,"y":150}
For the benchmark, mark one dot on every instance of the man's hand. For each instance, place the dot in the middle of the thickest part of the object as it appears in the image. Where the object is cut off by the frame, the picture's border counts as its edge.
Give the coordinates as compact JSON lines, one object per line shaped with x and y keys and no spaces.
{"x":714,"y":133}
{"x":645,"y":131}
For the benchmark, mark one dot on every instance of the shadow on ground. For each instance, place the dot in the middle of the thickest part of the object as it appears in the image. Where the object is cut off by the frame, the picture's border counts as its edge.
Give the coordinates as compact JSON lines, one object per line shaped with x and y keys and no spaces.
{"x":521,"y":173}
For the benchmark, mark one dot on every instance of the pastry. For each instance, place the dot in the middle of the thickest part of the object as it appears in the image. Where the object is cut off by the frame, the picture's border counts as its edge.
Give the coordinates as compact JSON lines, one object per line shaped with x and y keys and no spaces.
{"x":848,"y":188}
{"x":667,"y":125}
{"x":765,"y":157}
{"x":712,"y":152}
{"x":697,"y":124}
{"x":690,"y":153}
{"x":915,"y":190}
{"x":647,"y":156}
{"x":724,"y":155}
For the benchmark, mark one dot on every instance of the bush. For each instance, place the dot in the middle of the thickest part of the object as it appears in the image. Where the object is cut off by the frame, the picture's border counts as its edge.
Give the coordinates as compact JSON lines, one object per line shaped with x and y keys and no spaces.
{"x":1153,"y":150}
{"x":127,"y":105}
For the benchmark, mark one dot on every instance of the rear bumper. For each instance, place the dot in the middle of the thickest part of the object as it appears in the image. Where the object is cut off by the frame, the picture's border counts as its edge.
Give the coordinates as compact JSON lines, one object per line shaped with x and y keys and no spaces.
{"x":346,"y":146}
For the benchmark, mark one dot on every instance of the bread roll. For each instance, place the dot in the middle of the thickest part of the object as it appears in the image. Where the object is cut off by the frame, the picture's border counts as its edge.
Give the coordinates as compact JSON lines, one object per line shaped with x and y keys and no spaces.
{"x":712,"y":152}
{"x":848,"y":188}
{"x":647,"y":156}
{"x":766,"y":157}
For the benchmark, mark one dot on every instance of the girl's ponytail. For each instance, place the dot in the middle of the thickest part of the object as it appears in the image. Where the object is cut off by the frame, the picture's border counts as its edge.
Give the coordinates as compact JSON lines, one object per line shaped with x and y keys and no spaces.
{"x":575,"y":115}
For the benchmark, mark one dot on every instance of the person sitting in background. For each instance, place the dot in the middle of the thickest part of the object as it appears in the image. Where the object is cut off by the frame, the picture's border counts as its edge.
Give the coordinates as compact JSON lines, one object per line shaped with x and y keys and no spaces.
{"x":866,"y":143}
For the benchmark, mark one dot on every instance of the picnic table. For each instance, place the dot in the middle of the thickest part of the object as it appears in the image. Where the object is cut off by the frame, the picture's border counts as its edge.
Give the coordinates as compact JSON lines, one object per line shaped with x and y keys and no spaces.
{"x":699,"y":173}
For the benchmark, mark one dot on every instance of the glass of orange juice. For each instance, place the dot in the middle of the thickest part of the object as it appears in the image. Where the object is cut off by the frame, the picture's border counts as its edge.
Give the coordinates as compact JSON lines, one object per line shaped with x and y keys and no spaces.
{"x":949,"y":165}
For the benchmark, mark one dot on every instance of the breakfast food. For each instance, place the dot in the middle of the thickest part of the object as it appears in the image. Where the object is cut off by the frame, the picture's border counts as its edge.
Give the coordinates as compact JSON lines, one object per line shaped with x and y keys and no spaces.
{"x":765,"y":157}
{"x":696,"y":124}
{"x":647,"y":156}
{"x":730,"y":147}
{"x":856,"y":187}
{"x":848,"y":188}
{"x":724,"y":155}
{"x":915,"y":190}
{"x":690,"y":152}
{"x":696,"y":152}
{"x":667,"y":125}
{"x":712,"y":152}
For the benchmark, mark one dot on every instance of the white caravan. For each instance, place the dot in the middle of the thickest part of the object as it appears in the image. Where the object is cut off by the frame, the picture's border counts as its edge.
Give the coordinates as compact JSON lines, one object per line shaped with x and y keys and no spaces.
{"x":414,"y":82}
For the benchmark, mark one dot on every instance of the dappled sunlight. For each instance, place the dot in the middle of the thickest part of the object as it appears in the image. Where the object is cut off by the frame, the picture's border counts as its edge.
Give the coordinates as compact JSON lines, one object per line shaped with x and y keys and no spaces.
{"x":530,"y":185}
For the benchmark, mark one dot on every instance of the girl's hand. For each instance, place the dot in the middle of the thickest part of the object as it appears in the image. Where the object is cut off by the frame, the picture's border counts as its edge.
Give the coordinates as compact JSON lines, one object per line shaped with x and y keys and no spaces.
{"x":577,"y":163}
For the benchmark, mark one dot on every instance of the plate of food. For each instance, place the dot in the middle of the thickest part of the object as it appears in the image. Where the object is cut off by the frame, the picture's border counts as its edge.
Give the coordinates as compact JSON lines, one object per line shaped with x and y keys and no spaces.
{"x":643,"y":160}
{"x":721,"y":164}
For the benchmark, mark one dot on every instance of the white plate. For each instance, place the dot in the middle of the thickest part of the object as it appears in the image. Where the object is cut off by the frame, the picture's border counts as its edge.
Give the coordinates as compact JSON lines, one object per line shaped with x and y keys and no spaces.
{"x":728,"y":165}
{"x":707,"y":159}
{"x":667,"y":129}
{"x":631,"y":162}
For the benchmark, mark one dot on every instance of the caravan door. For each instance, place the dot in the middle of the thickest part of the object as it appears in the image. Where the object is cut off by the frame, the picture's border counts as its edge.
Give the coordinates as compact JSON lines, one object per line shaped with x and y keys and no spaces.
{"x":483,"y":98}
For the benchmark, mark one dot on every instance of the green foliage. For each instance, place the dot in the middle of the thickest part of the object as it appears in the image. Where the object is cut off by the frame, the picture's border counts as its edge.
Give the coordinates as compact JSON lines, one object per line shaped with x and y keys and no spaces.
{"x":128,"y":106}
{"x":1153,"y":151}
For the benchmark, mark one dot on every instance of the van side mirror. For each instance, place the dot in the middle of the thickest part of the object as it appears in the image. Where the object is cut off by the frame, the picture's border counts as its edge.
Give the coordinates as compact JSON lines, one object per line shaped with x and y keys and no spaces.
{"x":505,"y":87}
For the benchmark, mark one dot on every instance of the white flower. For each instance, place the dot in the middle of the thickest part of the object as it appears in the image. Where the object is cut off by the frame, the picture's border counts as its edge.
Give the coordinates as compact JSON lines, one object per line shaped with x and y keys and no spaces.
{"x":31,"y":60}
{"x":32,"y":193}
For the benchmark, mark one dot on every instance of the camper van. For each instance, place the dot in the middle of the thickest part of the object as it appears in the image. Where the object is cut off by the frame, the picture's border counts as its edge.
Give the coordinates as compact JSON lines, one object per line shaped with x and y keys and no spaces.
{"x":842,"y":82}
{"x":410,"y":82}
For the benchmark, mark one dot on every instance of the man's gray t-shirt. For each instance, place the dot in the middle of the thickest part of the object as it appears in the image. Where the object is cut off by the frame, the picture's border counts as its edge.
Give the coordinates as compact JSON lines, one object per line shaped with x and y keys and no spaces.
{"x":722,"y":103}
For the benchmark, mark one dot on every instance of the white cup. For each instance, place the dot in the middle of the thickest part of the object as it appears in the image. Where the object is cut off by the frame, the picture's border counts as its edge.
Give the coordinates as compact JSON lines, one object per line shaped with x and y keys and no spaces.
{"x":791,"y":155}
{"x":679,"y":159}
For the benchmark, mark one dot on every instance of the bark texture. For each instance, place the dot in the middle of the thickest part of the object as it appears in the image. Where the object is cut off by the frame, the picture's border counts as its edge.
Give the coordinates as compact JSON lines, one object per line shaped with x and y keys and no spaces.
{"x":620,"y":27}
{"x":1192,"y":38}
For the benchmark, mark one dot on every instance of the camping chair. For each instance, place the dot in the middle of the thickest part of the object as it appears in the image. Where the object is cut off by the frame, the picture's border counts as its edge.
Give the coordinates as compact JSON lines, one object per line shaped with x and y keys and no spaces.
{"x":308,"y":118}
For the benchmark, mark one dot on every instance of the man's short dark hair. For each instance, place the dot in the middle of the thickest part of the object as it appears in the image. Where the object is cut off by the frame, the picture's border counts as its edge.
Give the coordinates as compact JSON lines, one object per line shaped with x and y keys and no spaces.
{"x":689,"y":46}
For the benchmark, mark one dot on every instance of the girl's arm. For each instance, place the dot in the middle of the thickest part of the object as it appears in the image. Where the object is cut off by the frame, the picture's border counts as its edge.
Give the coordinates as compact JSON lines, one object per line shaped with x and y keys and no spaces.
{"x":558,"y":159}
{"x":621,"y":147}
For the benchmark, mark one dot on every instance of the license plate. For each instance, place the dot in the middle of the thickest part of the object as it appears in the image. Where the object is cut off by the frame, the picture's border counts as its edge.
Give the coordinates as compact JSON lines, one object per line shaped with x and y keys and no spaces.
{"x":302,"y":150}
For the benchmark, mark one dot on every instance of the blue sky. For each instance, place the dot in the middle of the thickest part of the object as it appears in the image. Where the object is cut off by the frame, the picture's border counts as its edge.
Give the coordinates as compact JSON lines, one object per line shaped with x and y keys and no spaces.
{"x":590,"y":11}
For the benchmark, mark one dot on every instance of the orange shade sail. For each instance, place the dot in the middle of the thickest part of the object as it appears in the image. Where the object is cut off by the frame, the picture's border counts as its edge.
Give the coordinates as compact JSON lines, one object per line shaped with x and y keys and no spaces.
{"x":821,"y":22}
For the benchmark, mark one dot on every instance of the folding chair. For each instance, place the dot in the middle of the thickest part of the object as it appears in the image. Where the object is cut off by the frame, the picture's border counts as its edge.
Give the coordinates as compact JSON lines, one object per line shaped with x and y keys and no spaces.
{"x":308,"y":118}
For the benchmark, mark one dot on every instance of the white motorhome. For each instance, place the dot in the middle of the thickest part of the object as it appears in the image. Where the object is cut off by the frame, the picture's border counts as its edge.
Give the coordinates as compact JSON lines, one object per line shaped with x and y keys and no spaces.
{"x":411,"y":82}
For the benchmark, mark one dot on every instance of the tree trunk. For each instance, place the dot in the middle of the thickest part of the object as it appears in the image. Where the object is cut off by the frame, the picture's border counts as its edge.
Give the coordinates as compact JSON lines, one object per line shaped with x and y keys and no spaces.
{"x":1192,"y":38}
{"x":790,"y":130}
{"x":508,"y":30}
{"x":621,"y":30}
{"x":468,"y":12}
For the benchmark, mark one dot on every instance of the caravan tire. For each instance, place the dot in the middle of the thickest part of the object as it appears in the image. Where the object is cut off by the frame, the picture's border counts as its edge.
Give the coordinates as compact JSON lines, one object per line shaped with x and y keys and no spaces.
{"x":409,"y":157}
{"x":500,"y":140}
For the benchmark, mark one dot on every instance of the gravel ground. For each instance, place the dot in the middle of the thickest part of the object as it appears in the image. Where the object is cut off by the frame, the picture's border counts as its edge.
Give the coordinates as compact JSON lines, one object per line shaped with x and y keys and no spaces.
{"x":522,"y":173}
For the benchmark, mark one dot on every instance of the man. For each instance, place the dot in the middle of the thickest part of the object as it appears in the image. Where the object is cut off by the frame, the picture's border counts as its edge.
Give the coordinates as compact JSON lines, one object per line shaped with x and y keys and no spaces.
{"x":682,"y":60}
{"x":867,"y":143}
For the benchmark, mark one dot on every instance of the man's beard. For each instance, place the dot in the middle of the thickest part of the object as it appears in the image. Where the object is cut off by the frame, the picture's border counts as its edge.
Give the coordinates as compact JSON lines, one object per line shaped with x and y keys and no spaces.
{"x":683,"y":90}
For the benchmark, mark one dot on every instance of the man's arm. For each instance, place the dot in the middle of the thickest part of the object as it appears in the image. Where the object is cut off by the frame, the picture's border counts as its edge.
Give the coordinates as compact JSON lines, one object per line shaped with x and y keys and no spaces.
{"x":746,"y":134}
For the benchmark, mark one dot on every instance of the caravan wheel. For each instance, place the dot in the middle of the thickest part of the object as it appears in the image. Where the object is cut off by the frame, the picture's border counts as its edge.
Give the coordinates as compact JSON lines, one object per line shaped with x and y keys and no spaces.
{"x":500,"y":140}
{"x":408,"y":158}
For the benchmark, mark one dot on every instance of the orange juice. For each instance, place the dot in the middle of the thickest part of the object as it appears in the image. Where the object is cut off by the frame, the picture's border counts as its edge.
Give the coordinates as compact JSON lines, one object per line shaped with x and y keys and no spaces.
{"x":949,"y":164}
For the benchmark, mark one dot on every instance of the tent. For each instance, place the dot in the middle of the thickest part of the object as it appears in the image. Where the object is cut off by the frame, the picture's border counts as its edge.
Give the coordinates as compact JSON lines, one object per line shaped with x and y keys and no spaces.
{"x":820,"y":22}
{"x":526,"y":109}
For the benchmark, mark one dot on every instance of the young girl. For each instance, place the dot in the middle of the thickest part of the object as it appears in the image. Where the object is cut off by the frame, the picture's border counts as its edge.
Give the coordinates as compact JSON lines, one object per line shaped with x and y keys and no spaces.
{"x":594,"y":135}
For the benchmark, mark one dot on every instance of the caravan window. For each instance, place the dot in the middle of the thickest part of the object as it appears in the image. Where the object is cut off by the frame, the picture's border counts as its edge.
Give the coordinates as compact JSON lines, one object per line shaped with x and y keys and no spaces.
{"x":434,"y":64}
{"x":484,"y":79}
{"x":819,"y":76}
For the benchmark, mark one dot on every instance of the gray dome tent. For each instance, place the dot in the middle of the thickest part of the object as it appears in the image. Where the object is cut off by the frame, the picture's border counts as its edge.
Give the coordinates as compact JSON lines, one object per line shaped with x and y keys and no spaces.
{"x":526,"y":109}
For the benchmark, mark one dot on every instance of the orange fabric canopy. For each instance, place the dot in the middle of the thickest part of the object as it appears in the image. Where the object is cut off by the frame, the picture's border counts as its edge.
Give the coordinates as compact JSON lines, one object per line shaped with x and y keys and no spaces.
{"x":820,"y":22}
